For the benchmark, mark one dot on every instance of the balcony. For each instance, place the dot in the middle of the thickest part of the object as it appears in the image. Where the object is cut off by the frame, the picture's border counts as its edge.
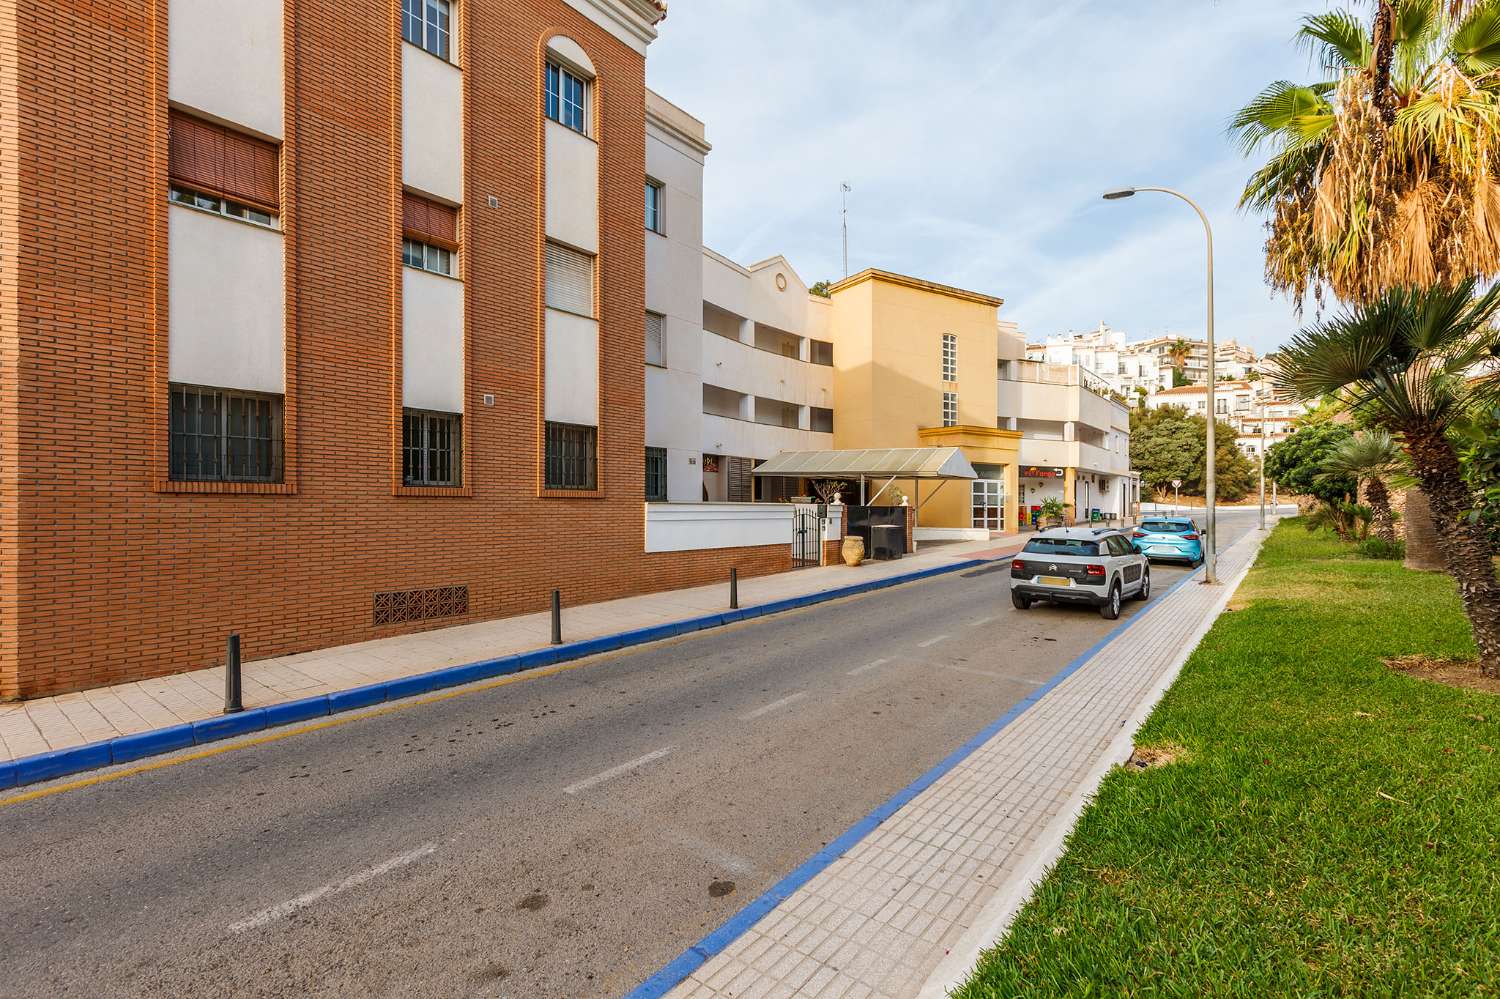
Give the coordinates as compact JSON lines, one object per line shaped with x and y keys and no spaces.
{"x":747,"y":439}
{"x":748,"y":370}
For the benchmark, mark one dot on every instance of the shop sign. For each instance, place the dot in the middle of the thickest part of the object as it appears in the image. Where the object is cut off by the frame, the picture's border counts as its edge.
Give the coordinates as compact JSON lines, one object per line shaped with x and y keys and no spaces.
{"x":1037,"y":472}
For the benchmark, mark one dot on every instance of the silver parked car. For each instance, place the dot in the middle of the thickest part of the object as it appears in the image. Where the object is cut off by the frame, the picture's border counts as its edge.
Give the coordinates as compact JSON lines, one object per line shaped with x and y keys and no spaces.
{"x":1080,"y":565}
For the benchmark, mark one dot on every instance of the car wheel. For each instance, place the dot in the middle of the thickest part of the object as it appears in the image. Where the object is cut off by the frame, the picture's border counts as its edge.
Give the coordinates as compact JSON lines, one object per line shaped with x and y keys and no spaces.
{"x":1145,"y":591}
{"x":1110,"y":609}
{"x":1020,"y":600}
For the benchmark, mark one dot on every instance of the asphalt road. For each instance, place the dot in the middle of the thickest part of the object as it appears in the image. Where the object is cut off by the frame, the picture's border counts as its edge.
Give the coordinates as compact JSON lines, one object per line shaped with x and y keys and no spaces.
{"x":564,"y":835}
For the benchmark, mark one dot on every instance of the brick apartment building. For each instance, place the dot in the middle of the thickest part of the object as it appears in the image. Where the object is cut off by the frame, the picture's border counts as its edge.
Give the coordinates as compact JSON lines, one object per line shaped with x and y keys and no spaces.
{"x":319,"y":321}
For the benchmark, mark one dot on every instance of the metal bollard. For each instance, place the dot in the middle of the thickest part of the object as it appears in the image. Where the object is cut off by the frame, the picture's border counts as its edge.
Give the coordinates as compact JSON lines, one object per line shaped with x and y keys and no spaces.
{"x":557,"y":617}
{"x":232,"y":702}
{"x":734,"y":588}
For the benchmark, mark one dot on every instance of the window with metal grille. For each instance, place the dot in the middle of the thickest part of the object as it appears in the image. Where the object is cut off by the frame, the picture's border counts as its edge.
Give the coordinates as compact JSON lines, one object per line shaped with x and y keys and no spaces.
{"x":426,"y":257}
{"x":655,"y":352}
{"x":653,"y":206}
{"x":950,"y":357}
{"x":656,"y":474}
{"x":427,"y":24}
{"x":431,"y":448}
{"x":950,"y":409}
{"x":567,"y":98}
{"x":570,"y":280}
{"x":221,"y":435}
{"x":571,"y":460}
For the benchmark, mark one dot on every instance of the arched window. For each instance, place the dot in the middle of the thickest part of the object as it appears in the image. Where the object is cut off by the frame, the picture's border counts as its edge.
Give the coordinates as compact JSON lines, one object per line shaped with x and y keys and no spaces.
{"x":568,"y":96}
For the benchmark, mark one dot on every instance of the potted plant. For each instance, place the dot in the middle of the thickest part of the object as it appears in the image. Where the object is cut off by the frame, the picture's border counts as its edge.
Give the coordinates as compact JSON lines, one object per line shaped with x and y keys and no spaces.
{"x":1053,"y":512}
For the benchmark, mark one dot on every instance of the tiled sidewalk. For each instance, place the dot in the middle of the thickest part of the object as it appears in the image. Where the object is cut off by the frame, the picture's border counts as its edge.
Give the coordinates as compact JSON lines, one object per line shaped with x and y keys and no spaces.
{"x":49,"y":723}
{"x":944,"y":873}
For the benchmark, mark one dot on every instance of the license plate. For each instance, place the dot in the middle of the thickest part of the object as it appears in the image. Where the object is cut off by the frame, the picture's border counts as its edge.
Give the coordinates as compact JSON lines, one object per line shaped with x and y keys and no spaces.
{"x":1162,"y":550}
{"x":1056,"y":581}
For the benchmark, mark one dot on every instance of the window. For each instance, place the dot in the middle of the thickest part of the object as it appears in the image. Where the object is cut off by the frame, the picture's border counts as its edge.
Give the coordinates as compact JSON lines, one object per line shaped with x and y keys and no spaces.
{"x":221,"y":435}
{"x":430,"y":447}
{"x":950,"y":409}
{"x":221,"y":165}
{"x":222,"y":206}
{"x":1061,"y":546}
{"x":426,"y":257}
{"x":820,"y":420}
{"x":571,"y":458}
{"x":570,"y":280}
{"x":653,"y":207}
{"x":656,"y":474}
{"x":655,"y":354}
{"x":427,"y":25}
{"x":567,"y":98}
{"x":822,"y":352}
{"x":950,"y":357}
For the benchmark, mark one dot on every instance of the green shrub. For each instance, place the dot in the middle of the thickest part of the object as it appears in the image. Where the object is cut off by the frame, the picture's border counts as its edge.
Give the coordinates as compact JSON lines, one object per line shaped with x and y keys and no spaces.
{"x":1376,"y":548}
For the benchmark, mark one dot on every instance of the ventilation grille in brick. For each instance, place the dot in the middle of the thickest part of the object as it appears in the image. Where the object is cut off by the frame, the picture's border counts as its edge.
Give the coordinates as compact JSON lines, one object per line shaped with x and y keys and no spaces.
{"x":420,"y":605}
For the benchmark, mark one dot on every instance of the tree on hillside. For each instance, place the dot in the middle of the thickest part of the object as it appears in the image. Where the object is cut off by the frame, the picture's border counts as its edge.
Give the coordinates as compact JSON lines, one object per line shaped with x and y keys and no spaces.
{"x":1382,"y":174}
{"x":1404,"y":363}
{"x":1170,"y":443}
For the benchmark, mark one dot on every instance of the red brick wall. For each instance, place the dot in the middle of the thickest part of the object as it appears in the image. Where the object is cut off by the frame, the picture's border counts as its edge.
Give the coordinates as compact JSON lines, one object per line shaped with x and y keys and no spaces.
{"x":110,"y":573}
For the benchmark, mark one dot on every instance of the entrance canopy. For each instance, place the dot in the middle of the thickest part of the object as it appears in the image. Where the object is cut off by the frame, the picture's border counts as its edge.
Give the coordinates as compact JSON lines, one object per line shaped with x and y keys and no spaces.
{"x":875,"y":463}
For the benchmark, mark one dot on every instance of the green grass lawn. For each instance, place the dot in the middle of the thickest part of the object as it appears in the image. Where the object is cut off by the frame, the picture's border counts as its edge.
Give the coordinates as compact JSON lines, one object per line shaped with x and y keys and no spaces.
{"x":1333,"y":827}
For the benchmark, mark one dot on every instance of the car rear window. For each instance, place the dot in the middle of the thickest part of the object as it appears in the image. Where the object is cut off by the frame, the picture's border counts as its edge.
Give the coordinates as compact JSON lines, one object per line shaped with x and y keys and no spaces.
{"x":1166,"y":526}
{"x":1061,"y":546}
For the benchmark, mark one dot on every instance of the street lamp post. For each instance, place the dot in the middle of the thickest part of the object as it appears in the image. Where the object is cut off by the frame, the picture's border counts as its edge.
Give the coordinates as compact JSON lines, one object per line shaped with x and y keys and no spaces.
{"x":1262,"y":462}
{"x":1211,"y":533}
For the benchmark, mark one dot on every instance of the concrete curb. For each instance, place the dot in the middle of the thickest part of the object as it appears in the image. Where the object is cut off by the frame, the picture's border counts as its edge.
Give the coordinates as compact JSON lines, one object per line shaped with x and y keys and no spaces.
{"x":690,"y":960}
{"x":130,"y":748}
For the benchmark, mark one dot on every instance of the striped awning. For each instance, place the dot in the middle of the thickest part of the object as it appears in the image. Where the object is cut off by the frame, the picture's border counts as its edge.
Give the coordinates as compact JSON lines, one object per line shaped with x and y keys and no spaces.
{"x":901,"y":462}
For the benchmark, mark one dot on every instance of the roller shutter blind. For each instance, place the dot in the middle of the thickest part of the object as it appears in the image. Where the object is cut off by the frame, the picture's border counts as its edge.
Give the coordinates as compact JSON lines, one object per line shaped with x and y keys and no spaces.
{"x":428,"y":221}
{"x":653,"y":339}
{"x":570,"y":280}
{"x":219,"y":161}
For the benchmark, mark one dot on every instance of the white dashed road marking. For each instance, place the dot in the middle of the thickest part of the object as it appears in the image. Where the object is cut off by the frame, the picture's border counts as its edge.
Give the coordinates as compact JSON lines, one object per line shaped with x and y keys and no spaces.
{"x":290,"y":906}
{"x":613,"y":772}
{"x":856,"y":671}
{"x":931,"y":641}
{"x":766,"y":709}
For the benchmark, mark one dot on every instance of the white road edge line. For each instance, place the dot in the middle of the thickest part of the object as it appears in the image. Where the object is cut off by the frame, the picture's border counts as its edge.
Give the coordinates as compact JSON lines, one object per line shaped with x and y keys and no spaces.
{"x":766,"y":709}
{"x":856,"y":671}
{"x":613,"y":772}
{"x":284,"y":909}
{"x":932,"y":641}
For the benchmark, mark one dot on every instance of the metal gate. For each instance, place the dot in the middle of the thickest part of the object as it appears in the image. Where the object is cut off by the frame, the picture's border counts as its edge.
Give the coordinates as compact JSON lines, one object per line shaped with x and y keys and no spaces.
{"x":807,"y":538}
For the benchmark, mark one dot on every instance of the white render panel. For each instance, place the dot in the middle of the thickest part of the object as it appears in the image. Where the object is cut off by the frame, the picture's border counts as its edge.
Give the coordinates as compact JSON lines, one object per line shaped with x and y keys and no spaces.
{"x":572,"y":371}
{"x":572,"y":188}
{"x":674,"y":409}
{"x":722,"y":435}
{"x":224,"y":58}
{"x":226,"y":304}
{"x":432,"y":342}
{"x":726,"y":286}
{"x":570,"y":52}
{"x":432,"y":125}
{"x":742,"y":368}
{"x":617,"y":17}
{"x":672,"y":527}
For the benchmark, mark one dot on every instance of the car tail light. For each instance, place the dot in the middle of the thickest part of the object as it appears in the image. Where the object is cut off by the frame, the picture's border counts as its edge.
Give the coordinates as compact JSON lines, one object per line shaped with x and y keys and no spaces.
{"x":1139,"y":534}
{"x":1191,"y":536}
{"x":1018,"y":565}
{"x":1095,"y":570}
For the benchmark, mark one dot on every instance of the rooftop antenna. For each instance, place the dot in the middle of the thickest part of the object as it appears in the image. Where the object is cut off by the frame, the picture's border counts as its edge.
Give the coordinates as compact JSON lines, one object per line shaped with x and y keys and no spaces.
{"x":844,"y":190}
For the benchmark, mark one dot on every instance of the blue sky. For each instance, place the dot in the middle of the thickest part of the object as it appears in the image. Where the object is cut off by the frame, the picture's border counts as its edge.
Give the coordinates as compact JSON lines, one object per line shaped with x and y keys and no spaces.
{"x":978,"y":135}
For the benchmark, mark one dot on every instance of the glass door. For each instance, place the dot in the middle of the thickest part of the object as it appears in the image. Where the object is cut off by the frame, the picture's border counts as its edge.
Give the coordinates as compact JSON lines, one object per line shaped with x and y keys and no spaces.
{"x":988,"y":503}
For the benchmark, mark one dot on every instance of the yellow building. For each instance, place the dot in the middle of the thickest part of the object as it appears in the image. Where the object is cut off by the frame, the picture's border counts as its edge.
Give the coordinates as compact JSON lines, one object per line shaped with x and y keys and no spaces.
{"x":914,"y":366}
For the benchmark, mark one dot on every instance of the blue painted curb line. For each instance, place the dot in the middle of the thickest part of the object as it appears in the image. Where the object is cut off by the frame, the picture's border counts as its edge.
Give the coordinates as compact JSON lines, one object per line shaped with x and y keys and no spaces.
{"x":733,"y":928}
{"x":129,"y":748}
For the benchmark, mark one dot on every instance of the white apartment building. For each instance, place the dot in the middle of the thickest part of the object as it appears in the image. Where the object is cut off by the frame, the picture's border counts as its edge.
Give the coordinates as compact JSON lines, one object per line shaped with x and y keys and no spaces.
{"x":1243,"y":404}
{"x":733,"y":375}
{"x":1127,"y":367}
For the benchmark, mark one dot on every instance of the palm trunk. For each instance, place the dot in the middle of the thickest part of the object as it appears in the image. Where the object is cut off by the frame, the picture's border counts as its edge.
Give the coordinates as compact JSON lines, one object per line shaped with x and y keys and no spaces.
{"x":1383,"y":51}
{"x":1421,"y":540}
{"x":1380,"y":505}
{"x":1463,"y":543}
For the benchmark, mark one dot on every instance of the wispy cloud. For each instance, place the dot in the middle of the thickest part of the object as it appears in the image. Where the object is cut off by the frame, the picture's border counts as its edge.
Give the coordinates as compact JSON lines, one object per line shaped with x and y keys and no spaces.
{"x":978,"y":136}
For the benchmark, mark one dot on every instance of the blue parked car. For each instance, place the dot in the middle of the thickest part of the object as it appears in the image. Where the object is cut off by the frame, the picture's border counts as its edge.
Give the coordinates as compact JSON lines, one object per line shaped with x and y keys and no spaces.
{"x":1169,"y":538}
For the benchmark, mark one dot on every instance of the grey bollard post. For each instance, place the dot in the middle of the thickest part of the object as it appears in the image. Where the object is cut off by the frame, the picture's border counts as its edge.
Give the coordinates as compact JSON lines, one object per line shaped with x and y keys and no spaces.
{"x":232,"y":701}
{"x":734,"y":588}
{"x":557,"y":617}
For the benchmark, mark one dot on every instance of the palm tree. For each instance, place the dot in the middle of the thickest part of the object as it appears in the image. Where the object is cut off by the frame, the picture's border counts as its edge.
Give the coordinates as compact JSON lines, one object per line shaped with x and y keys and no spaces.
{"x":1369,"y":459}
{"x":1403,"y":362}
{"x":1382,"y":174}
{"x":1178,"y":354}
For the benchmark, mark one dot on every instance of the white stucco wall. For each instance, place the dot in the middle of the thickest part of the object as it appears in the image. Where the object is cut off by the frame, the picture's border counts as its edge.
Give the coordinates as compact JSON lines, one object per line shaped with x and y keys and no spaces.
{"x":432,"y":342}
{"x":747,"y":369}
{"x":572,"y":369}
{"x":693,"y":526}
{"x":572,"y":188}
{"x":432,"y":125}
{"x":224,"y":58}
{"x":741,"y":438}
{"x":226,"y":303}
